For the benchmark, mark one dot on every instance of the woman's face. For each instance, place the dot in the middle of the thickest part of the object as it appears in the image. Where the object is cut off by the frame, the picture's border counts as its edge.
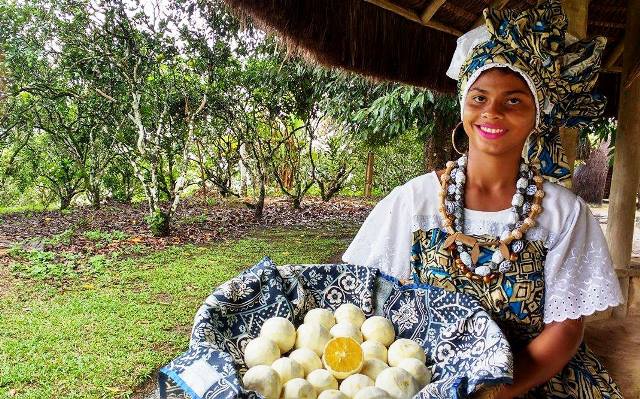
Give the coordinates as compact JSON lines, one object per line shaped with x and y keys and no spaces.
{"x":499,"y":113}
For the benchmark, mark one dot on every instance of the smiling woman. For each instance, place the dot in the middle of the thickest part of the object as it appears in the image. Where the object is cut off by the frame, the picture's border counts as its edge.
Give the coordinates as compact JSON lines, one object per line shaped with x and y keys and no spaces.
{"x":499,"y":113}
{"x":497,"y":224}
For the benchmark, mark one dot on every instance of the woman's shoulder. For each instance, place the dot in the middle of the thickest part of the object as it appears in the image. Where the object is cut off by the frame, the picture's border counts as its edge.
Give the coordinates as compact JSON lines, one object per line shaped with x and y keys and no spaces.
{"x":559,"y":207}
{"x":421,"y":189}
{"x":417,"y":196}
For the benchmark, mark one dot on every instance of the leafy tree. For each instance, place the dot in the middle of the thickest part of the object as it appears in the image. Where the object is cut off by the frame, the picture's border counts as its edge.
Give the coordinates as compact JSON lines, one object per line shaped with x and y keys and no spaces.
{"x":334,"y":159}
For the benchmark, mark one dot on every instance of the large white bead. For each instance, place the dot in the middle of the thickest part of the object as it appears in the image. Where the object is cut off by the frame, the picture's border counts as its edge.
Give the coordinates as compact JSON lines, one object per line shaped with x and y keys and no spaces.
{"x":483,"y":270}
{"x":497,"y":256}
{"x":522,"y":183}
{"x":460,"y":177}
{"x":462,"y":161}
{"x":505,"y":266}
{"x":465,"y":258}
{"x":517,"y":200}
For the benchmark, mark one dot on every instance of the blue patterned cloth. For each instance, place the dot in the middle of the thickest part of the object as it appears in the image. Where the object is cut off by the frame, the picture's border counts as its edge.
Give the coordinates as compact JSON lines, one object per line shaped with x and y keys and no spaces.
{"x":464,"y":347}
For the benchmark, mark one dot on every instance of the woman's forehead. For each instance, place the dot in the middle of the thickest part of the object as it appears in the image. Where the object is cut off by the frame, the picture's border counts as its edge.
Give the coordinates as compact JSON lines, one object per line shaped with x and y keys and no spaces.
{"x":501,"y":79}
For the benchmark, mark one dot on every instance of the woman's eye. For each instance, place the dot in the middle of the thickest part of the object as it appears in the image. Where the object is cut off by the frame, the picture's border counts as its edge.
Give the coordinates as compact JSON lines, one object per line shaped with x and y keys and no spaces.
{"x":513,"y":101}
{"x":479,"y":99}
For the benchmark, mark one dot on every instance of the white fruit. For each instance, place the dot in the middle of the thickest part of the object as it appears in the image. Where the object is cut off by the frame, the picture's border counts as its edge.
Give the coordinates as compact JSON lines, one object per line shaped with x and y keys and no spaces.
{"x":372,"y":367}
{"x":332,"y":394}
{"x":281,"y":331}
{"x":352,"y":384}
{"x":287,"y":369}
{"x":264,"y":380}
{"x":374,"y":350}
{"x":307,"y":359}
{"x":322,"y":380}
{"x":379,"y":329}
{"x":320,"y":316}
{"x":372,"y":393}
{"x":261,"y":350}
{"x":418,"y":370}
{"x":312,"y":336}
{"x":398,"y":383}
{"x":404,"y":348}
{"x":346,"y":330}
{"x":298,"y":388}
{"x":349,"y":313}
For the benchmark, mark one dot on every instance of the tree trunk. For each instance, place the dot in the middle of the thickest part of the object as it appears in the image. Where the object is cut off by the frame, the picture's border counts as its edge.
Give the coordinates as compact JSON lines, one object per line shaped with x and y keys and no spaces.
{"x":95,"y":196}
{"x":203,"y":175}
{"x":65,"y":201}
{"x":244,"y":173}
{"x":437,"y":146}
{"x":257,"y":212}
{"x":368,"y":185}
{"x":159,"y":223}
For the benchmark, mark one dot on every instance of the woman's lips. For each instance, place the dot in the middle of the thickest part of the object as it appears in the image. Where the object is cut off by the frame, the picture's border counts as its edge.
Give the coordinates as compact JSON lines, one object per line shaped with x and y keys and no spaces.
{"x":490,"y":132}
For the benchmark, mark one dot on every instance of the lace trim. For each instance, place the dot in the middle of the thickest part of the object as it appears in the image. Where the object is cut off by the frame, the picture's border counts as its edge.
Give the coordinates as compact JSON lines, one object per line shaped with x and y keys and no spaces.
{"x":473,"y":226}
{"x":587,"y":284}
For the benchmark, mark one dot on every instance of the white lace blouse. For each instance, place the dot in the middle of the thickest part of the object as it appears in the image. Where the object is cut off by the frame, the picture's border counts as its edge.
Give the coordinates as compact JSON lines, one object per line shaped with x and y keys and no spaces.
{"x":579,"y":275}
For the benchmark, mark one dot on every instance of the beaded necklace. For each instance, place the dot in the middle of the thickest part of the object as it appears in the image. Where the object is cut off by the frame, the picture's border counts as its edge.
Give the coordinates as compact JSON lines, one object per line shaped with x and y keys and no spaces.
{"x":526,"y":206}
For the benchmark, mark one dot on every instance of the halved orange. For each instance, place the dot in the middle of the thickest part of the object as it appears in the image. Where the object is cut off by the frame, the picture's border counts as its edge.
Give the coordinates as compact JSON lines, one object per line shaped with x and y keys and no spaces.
{"x":343,"y":357}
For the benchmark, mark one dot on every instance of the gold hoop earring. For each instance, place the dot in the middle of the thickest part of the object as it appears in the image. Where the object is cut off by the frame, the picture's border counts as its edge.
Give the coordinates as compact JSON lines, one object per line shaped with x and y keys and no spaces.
{"x":453,"y":138}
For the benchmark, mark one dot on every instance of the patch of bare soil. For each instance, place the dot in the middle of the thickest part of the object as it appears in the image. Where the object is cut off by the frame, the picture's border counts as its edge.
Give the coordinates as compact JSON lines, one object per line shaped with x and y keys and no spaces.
{"x":195,"y":222}
{"x":617,"y":344}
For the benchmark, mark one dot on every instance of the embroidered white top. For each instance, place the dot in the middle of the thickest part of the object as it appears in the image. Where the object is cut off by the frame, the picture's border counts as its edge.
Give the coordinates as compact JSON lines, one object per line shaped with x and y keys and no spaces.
{"x":579,"y":274}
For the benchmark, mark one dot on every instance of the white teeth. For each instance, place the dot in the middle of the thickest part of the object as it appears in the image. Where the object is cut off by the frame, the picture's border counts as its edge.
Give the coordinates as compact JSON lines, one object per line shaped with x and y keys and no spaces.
{"x":492,"y":131}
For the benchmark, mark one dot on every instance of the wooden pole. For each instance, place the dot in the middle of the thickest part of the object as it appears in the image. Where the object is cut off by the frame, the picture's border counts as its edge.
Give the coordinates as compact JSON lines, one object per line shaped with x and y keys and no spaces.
{"x":626,"y":167}
{"x":577,"y":13}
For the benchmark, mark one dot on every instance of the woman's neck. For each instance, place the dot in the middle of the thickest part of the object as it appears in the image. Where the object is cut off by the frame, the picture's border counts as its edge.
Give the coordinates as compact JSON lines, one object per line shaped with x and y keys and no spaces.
{"x":487,"y":173}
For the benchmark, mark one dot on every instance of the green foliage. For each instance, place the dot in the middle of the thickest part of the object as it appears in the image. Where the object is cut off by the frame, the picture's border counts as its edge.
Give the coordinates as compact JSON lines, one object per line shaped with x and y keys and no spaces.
{"x":105,"y":236}
{"x":43,"y":265}
{"x":158,"y":223}
{"x":63,"y":238}
{"x":123,"y":110}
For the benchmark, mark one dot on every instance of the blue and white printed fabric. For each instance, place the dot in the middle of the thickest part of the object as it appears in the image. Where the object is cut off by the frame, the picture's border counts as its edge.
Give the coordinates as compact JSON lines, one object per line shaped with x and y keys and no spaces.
{"x":464,"y":347}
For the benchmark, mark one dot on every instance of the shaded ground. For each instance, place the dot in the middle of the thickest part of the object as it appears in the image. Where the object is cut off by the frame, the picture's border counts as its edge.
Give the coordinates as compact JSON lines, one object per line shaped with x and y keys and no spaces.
{"x":600,"y":212}
{"x":195,"y":222}
{"x":76,"y":240}
{"x":617,"y":344}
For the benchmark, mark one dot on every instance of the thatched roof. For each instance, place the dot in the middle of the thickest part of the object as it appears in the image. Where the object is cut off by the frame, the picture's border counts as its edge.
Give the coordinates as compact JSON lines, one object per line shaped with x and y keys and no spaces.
{"x":408,"y":41}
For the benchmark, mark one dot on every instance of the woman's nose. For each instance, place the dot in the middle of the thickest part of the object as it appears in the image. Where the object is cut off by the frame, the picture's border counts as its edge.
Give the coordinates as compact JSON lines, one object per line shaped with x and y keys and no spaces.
{"x":492,"y":110}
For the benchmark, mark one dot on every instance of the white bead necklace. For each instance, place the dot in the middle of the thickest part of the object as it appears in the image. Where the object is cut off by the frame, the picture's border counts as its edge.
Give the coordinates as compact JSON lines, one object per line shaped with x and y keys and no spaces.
{"x":526,"y":206}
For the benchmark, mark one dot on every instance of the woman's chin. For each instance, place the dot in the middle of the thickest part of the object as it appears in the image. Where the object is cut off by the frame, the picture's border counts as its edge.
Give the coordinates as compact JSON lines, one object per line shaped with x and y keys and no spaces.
{"x":496,"y":148}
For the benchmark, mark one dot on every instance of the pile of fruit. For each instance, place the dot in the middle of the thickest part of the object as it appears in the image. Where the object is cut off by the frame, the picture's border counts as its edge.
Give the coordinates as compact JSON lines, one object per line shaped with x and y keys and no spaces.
{"x":337,"y":355}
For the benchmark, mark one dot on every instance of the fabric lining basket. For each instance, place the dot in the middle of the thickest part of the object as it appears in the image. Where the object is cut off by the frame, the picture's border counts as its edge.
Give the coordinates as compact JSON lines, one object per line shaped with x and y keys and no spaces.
{"x":465,"y":348}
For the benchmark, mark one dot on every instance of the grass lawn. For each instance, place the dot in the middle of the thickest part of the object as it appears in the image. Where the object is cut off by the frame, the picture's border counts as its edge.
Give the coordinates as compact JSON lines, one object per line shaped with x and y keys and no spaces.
{"x":103,"y":337}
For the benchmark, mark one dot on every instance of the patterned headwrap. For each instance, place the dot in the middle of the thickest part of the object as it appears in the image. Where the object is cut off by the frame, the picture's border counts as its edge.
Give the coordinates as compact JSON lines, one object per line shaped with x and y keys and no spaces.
{"x":560,"y":71}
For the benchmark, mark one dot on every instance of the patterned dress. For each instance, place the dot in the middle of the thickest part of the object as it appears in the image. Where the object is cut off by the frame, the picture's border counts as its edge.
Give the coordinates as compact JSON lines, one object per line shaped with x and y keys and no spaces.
{"x":564,"y":272}
{"x":515,"y":301}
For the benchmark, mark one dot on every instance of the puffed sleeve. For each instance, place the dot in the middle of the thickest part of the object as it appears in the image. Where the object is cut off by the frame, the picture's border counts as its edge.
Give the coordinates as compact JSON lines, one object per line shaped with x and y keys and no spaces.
{"x":579,"y":275}
{"x":384,"y":240}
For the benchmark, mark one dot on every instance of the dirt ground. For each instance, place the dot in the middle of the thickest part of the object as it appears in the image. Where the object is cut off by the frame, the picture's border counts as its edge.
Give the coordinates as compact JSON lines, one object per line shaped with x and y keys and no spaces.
{"x":617,"y":343}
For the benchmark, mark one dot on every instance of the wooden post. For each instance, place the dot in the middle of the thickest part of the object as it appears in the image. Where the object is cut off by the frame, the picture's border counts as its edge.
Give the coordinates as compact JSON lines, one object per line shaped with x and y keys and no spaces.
{"x":368,"y":185}
{"x":626,"y":167}
{"x":577,"y":13}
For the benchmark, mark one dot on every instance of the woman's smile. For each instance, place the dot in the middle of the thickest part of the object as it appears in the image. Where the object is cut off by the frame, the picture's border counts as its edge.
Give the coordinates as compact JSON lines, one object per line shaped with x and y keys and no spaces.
{"x":490,"y":131}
